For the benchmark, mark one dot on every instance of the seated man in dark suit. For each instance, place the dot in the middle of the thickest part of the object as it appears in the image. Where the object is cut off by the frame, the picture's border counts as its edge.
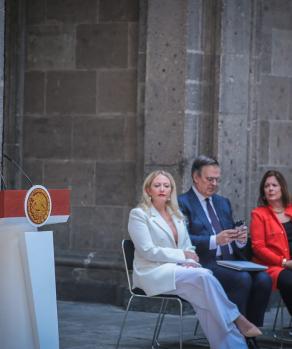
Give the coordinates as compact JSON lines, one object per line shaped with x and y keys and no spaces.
{"x":212,"y":231}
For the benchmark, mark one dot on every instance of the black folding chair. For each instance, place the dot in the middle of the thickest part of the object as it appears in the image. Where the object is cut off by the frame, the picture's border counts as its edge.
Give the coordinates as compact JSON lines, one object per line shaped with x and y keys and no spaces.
{"x":128,"y":254}
{"x":281,"y":332}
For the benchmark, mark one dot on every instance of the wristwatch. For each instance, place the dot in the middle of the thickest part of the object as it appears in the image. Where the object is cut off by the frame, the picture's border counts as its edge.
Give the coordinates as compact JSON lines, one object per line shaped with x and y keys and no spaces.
{"x":284,"y":261}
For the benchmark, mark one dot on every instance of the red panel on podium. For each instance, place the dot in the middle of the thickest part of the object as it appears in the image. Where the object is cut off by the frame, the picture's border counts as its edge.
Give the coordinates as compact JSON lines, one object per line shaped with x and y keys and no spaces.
{"x":12,"y":203}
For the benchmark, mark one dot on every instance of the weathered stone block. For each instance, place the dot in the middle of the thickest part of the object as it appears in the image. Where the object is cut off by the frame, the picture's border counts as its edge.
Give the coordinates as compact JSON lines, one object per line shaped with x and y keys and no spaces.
{"x":168,"y":149}
{"x":165,"y":74}
{"x":122,"y":10}
{"x":84,"y":225}
{"x":277,"y":14}
{"x":117,"y":91}
{"x":96,"y":138}
{"x":280,"y":144}
{"x":274,"y":93}
{"x":194,"y":66}
{"x":281,"y":52}
{"x":143,"y":9}
{"x":93,"y":286}
{"x":2,"y":40}
{"x":199,"y":97}
{"x":204,"y":142}
{"x":163,"y":92}
{"x":71,"y":92}
{"x":102,"y":46}
{"x":111,"y":228}
{"x":263,"y":142}
{"x":51,"y":137}
{"x":133,"y":45}
{"x":50,"y":47}
{"x":35,"y":11}
{"x":264,"y":43}
{"x":194,"y":28}
{"x":130,"y":138}
{"x":193,"y":96}
{"x":236,"y":27}
{"x":34,"y":170}
{"x":232,"y":157}
{"x":96,"y":228}
{"x":211,"y":26}
{"x":78,"y":176}
{"x":234,"y":84}
{"x":141,"y":68}
{"x":34,"y":88}
{"x":75,"y":11}
{"x":115,"y":183}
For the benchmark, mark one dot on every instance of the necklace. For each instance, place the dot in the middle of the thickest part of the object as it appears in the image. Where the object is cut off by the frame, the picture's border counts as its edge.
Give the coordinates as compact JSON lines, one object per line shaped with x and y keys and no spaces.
{"x":279,"y":211}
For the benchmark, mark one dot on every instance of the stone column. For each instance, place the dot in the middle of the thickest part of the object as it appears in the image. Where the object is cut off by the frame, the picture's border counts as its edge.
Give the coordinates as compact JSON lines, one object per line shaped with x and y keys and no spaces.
{"x":165,"y":86}
{"x":233,"y":108}
{"x":200,"y":85}
{"x":179,"y":92}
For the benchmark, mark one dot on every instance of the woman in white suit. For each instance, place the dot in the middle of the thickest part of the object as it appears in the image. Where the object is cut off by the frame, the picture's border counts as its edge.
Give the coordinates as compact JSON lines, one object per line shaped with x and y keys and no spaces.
{"x":165,"y":262}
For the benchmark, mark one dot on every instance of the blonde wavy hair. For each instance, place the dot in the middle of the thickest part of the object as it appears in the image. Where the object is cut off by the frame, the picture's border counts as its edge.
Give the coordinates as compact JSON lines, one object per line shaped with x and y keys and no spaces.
{"x":172,"y":204}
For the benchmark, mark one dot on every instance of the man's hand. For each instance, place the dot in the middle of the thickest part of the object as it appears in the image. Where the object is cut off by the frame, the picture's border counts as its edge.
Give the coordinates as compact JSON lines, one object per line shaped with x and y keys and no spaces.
{"x":226,"y":236}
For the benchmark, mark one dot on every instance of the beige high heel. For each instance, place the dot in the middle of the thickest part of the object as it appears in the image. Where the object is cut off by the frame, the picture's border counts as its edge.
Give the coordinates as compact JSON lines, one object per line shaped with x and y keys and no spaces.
{"x":246,"y":328}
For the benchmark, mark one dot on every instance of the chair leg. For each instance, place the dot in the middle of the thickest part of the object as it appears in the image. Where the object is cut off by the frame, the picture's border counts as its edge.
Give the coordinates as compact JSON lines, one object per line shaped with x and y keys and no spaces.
{"x":159,"y":322}
{"x":276,"y":316}
{"x":124,"y":321}
{"x":280,"y":335}
{"x":196,"y":328}
{"x":181,"y":324}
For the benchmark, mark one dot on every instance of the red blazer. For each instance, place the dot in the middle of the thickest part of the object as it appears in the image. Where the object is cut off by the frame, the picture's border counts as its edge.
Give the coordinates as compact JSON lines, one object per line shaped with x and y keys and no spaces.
{"x":269,"y":240}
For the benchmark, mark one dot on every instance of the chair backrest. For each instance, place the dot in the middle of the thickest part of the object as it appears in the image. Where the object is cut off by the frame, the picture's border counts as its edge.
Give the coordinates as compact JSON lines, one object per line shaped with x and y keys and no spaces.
{"x":128,"y":249}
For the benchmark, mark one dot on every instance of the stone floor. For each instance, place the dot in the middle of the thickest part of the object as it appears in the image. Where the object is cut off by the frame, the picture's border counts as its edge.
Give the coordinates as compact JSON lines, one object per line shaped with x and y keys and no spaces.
{"x":96,"y":326}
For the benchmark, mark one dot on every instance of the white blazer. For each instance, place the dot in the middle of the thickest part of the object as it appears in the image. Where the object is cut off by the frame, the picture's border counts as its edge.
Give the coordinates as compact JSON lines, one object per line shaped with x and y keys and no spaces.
{"x":156,"y":252}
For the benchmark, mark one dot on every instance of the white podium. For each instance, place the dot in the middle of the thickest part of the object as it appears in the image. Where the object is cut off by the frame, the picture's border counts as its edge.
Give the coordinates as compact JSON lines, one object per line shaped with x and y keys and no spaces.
{"x":28,"y":307}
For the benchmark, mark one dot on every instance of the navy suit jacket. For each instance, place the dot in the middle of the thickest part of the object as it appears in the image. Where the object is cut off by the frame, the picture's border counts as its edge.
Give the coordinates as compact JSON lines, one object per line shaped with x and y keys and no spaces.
{"x":199,"y":227}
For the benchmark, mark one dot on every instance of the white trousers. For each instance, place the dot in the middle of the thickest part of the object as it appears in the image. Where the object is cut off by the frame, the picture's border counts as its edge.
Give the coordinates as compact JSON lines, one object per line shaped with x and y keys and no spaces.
{"x":215,"y":312}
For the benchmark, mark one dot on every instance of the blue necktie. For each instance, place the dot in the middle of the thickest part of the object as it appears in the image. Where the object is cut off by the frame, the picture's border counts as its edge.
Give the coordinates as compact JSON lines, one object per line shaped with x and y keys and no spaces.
{"x":217,"y":228}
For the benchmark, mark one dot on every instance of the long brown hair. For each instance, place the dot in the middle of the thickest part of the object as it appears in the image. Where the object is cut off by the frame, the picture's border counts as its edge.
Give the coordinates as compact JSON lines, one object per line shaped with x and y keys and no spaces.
{"x":262,"y":201}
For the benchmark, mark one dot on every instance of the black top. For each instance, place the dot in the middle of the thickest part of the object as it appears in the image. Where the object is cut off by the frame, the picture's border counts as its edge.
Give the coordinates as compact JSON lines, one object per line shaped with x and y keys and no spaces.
{"x":288,"y":228}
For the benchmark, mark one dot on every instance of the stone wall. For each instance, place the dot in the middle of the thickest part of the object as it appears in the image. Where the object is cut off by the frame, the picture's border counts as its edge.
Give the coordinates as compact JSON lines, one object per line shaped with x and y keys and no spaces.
{"x":271,"y":102}
{"x":100,"y":92}
{"x":254,"y":114}
{"x":2,"y":26}
{"x":78,"y":118}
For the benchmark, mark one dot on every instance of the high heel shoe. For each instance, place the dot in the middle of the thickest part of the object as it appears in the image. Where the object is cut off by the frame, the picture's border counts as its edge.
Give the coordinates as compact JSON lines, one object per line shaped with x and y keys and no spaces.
{"x":247,"y":328}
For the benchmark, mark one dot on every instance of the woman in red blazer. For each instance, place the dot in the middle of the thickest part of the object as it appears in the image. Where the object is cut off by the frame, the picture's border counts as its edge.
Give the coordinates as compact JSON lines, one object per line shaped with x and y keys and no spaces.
{"x":271,"y":233}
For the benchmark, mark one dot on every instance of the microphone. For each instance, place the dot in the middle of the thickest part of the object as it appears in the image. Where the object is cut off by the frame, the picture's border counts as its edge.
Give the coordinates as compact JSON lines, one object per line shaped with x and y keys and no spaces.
{"x":18,"y":167}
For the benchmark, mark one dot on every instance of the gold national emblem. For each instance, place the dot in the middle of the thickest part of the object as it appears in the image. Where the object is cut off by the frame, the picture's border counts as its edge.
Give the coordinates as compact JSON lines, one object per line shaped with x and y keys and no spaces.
{"x":38,"y":206}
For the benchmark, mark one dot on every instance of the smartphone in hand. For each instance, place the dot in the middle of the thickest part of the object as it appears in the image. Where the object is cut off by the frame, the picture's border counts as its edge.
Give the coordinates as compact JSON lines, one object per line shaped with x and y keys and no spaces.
{"x":241,"y":228}
{"x":238,"y":223}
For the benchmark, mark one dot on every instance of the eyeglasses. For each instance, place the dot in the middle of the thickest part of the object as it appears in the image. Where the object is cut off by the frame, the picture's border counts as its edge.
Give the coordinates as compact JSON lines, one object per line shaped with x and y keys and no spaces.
{"x":213,"y":179}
